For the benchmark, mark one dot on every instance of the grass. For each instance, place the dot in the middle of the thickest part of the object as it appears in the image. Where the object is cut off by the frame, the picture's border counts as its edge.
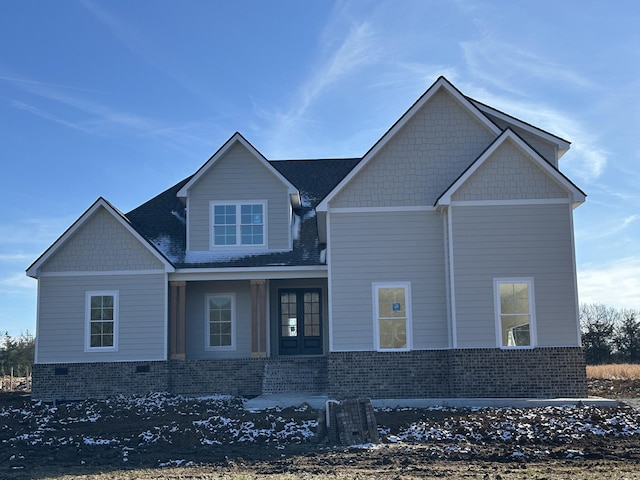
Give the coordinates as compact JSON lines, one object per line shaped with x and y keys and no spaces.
{"x":615,"y":371}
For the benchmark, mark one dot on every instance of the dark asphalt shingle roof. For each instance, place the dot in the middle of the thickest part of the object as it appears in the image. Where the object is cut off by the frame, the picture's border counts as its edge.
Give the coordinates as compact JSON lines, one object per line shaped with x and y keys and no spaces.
{"x":161,"y":220}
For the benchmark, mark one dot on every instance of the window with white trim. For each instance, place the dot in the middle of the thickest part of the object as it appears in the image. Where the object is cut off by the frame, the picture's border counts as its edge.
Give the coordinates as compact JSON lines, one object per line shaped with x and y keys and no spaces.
{"x":238,"y":224}
{"x":101,"y":324}
{"x":392,"y":316}
{"x":515,"y":314}
{"x":220,"y":328}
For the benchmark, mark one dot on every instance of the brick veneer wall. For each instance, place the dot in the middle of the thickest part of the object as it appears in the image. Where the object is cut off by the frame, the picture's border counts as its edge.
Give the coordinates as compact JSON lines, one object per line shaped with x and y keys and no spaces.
{"x":73,"y":381}
{"x":540,"y":372}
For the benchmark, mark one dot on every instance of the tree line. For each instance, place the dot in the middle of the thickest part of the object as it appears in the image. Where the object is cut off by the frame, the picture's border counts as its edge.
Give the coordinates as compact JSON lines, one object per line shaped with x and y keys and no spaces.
{"x":610,"y":335}
{"x":17,"y":354}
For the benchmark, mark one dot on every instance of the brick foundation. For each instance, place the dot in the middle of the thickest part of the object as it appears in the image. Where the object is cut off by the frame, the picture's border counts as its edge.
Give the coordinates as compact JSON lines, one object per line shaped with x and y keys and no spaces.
{"x":540,"y":372}
{"x":481,"y":373}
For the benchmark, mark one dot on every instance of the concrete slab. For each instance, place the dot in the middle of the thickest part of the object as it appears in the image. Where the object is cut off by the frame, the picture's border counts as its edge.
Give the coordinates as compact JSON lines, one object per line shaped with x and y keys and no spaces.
{"x":273,"y":400}
{"x":318,"y":401}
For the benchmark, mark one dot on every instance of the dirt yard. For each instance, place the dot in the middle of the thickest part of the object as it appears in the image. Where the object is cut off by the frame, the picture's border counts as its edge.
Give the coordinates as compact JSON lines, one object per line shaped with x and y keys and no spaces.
{"x":172,"y":437}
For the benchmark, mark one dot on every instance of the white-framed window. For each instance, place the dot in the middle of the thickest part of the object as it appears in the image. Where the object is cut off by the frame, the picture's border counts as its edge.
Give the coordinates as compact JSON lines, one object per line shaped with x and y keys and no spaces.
{"x":238,"y":224}
{"x":392,"y":316}
{"x":220,"y":327}
{"x":515,"y":312}
{"x":101,"y":321}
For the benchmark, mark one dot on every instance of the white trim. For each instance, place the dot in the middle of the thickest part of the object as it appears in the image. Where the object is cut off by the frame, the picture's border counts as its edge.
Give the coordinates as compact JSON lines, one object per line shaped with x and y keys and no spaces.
{"x":560,"y":144}
{"x":207,"y":323}
{"x":165,"y":314}
{"x":329,"y":281}
{"x":87,"y":320}
{"x":36,"y":347}
{"x":413,"y":208}
{"x":249,"y":273}
{"x":441,"y":83}
{"x":188,"y":225}
{"x":447,"y":284}
{"x":375,"y":288}
{"x":235,"y":138}
{"x":238,"y":204}
{"x":34,"y":269}
{"x":576,"y":195}
{"x":98,"y":273}
{"x":452,"y":283}
{"x":491,"y":203}
{"x":532,"y":311}
{"x":574,"y":277}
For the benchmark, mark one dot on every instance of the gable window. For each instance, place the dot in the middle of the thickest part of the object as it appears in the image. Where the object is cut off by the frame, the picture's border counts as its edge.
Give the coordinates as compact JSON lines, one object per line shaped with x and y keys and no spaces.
{"x":221,"y":318}
{"x":392,"y":316}
{"x":515,"y":316}
{"x":101,"y":329}
{"x":238,"y":224}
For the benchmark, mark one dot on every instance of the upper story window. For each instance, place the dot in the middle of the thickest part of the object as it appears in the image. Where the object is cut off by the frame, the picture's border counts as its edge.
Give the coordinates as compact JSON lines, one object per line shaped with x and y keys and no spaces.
{"x":515,"y":316}
{"x":238,"y":224}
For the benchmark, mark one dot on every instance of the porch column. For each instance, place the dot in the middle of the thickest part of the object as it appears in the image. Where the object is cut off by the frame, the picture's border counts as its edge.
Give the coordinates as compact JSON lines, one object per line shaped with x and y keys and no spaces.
{"x":177,"y":316}
{"x":258,"y":319}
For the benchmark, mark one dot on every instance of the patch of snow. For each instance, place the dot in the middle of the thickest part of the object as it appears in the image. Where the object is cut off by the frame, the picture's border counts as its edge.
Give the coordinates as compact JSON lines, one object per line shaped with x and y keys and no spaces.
{"x":179,"y":216}
{"x":224,"y":255}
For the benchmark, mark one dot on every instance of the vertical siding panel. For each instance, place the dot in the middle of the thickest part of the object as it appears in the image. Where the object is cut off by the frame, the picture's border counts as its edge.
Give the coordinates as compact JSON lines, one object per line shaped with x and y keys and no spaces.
{"x":239,"y":176}
{"x":386,"y":247}
{"x":61,"y":326}
{"x":514,"y":241}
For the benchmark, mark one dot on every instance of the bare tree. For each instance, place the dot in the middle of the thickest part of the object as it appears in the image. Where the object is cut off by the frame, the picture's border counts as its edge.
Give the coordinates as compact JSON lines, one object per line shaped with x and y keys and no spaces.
{"x":598,"y":322}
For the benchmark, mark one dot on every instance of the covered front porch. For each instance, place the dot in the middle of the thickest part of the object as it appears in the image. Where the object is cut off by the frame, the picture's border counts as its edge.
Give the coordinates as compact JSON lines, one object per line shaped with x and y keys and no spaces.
{"x":221,"y":317}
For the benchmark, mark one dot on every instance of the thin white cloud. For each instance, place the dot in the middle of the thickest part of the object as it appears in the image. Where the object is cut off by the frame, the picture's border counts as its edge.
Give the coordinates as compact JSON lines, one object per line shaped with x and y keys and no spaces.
{"x":48,"y":116}
{"x":17,"y":283}
{"x":616,"y":283}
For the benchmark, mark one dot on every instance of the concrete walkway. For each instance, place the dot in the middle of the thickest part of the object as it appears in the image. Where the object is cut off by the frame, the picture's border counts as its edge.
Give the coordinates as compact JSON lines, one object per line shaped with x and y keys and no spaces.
{"x":318,"y":401}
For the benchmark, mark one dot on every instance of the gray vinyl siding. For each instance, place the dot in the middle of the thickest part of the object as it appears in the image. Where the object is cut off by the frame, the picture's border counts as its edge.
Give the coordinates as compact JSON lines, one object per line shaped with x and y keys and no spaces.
{"x":509,"y":174}
{"x":545,"y":148}
{"x":141,"y":317}
{"x":235,"y":177}
{"x":422,"y":159}
{"x":102,"y":244}
{"x":196,"y":318}
{"x":514,"y":241}
{"x":386,"y":247}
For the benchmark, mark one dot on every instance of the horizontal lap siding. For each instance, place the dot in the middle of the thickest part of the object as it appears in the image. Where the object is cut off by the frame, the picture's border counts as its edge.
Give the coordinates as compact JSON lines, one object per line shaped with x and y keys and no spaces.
{"x":61,"y":324}
{"x":238,"y":176}
{"x":386,"y":247}
{"x":196,"y":319}
{"x":514,"y":241}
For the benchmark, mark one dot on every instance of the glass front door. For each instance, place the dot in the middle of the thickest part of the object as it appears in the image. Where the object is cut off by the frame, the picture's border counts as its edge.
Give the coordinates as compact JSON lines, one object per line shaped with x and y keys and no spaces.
{"x":300,"y":316}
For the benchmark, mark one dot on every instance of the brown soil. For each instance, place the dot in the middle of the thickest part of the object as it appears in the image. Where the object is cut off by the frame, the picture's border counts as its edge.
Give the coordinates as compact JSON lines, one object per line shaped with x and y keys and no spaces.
{"x":163,"y":436}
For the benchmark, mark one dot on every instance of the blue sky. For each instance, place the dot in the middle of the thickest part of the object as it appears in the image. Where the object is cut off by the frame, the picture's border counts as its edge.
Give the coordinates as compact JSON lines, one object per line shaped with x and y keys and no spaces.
{"x":123,"y":99}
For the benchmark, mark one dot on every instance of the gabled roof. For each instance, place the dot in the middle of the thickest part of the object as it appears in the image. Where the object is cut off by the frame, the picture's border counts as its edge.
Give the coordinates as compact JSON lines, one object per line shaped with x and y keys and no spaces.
{"x":563,"y":145}
{"x":441,"y":83}
{"x":33,"y":270}
{"x":577,"y":195}
{"x":235,"y":138}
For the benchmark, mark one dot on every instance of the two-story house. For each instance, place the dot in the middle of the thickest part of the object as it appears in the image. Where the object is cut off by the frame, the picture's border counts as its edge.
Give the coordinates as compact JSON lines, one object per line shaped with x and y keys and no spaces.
{"x":440,"y":264}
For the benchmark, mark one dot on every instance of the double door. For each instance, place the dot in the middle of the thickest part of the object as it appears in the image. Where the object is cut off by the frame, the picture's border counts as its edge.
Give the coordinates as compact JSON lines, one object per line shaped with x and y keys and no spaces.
{"x":300,"y":321}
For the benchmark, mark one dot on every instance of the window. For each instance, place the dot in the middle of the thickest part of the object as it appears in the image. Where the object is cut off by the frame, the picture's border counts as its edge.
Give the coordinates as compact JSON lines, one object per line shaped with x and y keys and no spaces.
{"x":392,"y":312}
{"x":515,"y":316}
{"x":220,"y":326}
{"x":101,"y":321}
{"x":238,"y":224}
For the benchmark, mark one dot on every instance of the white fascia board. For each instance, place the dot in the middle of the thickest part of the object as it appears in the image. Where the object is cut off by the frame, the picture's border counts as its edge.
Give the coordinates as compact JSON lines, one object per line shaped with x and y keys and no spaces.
{"x":577,"y":196}
{"x":443,"y":83}
{"x":248,"y":273}
{"x":562,"y":144}
{"x":235,"y":138}
{"x":33,"y":270}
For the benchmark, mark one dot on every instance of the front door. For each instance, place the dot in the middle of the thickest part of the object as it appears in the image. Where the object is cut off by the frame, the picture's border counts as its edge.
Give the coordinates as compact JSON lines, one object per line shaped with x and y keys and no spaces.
{"x":300,"y":314}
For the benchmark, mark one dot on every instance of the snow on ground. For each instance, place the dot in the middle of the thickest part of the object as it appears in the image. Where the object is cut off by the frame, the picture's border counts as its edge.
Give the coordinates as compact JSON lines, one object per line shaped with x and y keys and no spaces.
{"x":165,"y":424}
